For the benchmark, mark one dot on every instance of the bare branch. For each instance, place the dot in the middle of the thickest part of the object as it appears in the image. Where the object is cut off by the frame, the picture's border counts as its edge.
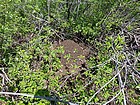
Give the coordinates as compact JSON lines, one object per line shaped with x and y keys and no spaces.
{"x":6,"y":77}
{"x":105,"y":85}
{"x":112,"y":98}
{"x":40,"y":97}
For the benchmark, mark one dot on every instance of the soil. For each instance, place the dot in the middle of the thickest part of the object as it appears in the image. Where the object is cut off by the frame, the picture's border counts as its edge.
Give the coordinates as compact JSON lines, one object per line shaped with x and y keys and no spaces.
{"x":74,"y":57}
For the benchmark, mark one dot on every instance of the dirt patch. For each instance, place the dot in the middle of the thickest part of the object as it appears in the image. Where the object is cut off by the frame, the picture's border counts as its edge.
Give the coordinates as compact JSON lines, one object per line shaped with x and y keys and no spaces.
{"x":74,"y":57}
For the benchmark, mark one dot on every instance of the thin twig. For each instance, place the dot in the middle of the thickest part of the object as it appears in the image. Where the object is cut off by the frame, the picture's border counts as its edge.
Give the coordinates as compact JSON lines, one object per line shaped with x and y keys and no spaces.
{"x":124,"y":98}
{"x":6,"y":77}
{"x":112,"y":98}
{"x":105,"y":85}
{"x":65,"y":81}
{"x":1,"y":75}
{"x":40,"y":97}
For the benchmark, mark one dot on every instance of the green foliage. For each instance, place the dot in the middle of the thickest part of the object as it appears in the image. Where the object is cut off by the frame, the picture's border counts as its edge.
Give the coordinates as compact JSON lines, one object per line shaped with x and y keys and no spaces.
{"x":28,"y":29}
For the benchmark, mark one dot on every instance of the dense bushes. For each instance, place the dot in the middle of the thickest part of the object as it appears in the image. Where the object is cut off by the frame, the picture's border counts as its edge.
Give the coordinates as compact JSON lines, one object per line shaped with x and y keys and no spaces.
{"x":28,"y":60}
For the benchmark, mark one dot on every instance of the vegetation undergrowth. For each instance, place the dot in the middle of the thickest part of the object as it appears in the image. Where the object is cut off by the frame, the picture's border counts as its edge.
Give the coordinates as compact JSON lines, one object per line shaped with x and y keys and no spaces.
{"x":29,"y":61}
